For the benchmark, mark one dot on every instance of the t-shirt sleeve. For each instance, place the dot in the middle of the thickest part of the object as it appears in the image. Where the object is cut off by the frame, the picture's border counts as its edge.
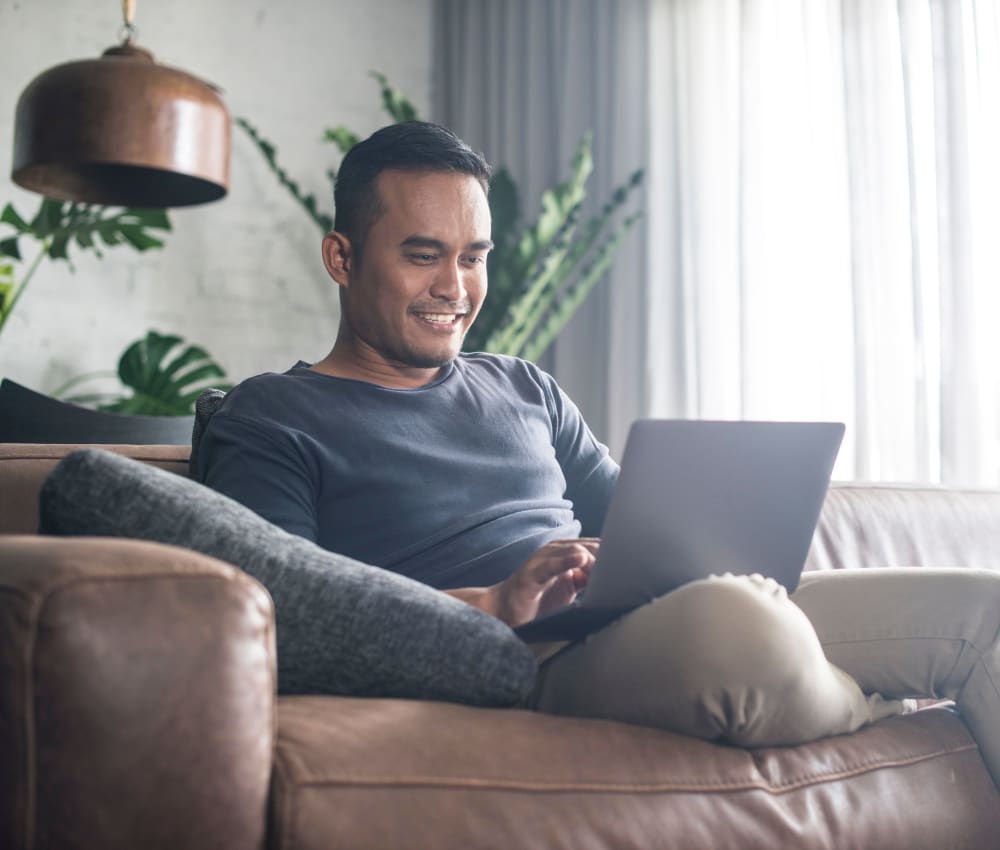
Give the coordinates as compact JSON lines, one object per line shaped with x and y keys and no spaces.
{"x":263,"y":467}
{"x":589,"y":470}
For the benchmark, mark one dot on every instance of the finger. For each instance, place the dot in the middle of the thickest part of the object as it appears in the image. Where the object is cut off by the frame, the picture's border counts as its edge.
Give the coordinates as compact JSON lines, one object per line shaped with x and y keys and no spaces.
{"x":567,"y":549}
{"x":551,"y":563}
{"x":591,"y":544}
{"x":587,"y":552}
{"x":579,"y":577}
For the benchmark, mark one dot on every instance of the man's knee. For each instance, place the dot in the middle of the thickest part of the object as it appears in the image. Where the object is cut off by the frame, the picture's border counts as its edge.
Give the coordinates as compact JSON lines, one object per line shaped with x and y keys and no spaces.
{"x":743,"y":630}
{"x":724,"y":658}
{"x":749,"y":655}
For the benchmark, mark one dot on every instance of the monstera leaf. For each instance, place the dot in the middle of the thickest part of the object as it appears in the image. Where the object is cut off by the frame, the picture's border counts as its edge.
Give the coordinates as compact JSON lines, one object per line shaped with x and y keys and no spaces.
{"x":60,"y":225}
{"x":57,"y":224}
{"x":165,"y":376}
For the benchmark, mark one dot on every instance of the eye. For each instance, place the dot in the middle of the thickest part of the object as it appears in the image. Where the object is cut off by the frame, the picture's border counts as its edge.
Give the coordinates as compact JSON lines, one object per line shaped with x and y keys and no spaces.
{"x":423,"y":258}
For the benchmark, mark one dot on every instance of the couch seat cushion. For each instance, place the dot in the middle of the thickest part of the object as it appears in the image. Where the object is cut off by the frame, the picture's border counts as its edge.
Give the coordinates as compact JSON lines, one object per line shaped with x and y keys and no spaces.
{"x":365,"y":773}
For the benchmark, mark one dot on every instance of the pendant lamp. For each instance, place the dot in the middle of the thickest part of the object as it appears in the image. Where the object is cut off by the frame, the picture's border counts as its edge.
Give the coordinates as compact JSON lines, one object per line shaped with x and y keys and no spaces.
{"x":122,"y":130}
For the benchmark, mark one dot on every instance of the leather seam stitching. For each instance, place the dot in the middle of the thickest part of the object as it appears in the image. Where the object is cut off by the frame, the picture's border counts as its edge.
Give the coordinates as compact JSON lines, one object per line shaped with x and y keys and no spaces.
{"x":637,"y":788}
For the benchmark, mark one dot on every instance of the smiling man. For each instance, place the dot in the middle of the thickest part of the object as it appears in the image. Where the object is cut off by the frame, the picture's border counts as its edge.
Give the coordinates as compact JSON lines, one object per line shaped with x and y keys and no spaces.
{"x":474,"y":473}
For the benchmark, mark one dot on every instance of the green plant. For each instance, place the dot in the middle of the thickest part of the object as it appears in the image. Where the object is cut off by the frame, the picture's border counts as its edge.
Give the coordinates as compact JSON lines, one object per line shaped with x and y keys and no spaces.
{"x":165,"y":377}
{"x":539,"y":272}
{"x":60,"y":224}
{"x":163,"y":380}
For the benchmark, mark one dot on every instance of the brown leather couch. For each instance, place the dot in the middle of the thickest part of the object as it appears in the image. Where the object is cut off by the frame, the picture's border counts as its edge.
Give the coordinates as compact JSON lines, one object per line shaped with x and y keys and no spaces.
{"x":138,"y":710}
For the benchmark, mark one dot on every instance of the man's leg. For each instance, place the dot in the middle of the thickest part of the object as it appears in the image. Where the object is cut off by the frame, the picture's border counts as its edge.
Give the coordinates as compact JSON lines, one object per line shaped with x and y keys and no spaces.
{"x":916,"y":632}
{"x":728,"y":657}
{"x":733,"y":658}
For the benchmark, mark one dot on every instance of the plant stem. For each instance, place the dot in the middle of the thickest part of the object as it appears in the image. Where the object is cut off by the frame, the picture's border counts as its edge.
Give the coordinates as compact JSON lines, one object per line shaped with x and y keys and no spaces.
{"x":79,"y":379}
{"x":24,"y":284}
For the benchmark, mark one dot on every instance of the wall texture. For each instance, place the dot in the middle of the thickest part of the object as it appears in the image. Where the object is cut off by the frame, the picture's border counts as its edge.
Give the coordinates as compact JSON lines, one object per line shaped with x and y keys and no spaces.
{"x":242,"y":276}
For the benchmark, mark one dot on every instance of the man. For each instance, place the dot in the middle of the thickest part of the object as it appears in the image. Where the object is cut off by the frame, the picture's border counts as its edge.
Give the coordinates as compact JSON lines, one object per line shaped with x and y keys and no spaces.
{"x":475,"y":474}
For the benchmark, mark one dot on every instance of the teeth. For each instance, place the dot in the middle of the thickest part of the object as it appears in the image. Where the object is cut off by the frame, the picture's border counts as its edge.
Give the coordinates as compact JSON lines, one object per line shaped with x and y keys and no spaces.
{"x":439,"y":318}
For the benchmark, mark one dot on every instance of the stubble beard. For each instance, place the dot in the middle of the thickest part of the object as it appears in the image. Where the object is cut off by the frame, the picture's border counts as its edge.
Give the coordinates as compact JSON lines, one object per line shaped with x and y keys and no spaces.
{"x":418,"y":360}
{"x":397,"y":351}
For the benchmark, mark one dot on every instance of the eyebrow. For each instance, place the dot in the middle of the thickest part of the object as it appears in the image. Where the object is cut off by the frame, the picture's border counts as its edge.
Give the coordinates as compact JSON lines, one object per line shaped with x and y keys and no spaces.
{"x":429,"y":242}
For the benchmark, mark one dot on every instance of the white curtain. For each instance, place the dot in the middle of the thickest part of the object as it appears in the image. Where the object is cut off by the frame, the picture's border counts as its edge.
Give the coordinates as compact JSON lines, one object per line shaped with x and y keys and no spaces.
{"x":822,"y":191}
{"x":823,"y":199}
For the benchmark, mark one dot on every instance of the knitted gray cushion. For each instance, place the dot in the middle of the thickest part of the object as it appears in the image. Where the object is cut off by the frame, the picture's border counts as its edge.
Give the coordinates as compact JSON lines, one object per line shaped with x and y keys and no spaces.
{"x":343,"y":627}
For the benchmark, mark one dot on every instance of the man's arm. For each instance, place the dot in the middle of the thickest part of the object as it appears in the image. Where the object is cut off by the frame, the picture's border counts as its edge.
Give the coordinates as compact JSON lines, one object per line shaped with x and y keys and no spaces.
{"x":247,"y":461}
{"x":588,"y":468}
{"x":557,"y":572}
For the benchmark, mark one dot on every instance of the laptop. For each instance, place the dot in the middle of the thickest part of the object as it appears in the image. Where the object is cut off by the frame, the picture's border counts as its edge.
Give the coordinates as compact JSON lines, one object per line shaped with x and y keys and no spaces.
{"x":695,"y":498}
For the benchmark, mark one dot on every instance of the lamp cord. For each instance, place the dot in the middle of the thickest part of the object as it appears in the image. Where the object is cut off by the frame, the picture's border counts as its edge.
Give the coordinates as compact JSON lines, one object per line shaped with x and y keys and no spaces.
{"x":128,"y":31}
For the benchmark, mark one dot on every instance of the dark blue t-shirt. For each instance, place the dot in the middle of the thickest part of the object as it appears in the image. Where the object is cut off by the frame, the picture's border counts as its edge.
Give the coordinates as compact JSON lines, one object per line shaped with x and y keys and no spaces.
{"x":454,"y":484}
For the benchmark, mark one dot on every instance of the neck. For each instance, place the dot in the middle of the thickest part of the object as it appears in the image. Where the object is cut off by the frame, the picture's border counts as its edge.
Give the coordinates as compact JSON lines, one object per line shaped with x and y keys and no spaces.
{"x":345,"y":360}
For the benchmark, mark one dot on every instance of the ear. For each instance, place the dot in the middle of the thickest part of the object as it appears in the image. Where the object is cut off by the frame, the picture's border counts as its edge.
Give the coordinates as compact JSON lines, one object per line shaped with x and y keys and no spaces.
{"x":337,"y":257}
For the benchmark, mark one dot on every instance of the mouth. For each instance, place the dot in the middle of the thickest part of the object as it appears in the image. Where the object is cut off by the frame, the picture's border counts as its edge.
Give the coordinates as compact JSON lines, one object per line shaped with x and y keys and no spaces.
{"x":441,"y":320}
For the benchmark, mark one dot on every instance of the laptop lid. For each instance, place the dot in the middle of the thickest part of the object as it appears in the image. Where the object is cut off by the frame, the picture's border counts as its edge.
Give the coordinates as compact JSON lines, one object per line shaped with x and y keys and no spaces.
{"x":699,"y":497}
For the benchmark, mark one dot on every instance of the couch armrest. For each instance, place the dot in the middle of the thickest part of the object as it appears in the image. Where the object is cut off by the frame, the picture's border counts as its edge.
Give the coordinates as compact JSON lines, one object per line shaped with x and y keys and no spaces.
{"x":137,"y":697}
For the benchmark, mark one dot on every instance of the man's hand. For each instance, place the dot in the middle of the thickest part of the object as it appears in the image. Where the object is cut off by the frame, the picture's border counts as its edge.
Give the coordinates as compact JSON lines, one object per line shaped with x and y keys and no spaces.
{"x":549,"y":579}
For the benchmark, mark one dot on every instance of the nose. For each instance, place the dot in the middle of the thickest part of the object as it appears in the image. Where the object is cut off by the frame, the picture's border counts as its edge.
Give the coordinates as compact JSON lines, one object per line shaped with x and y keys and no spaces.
{"x":448,"y":283}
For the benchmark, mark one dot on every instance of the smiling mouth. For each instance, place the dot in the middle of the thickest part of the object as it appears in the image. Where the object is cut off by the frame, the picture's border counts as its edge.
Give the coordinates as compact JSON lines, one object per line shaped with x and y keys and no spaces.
{"x":442,"y":319}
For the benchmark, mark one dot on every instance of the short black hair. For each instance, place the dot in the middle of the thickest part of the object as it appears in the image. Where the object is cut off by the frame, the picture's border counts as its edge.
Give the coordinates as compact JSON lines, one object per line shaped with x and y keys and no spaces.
{"x":409,"y":146}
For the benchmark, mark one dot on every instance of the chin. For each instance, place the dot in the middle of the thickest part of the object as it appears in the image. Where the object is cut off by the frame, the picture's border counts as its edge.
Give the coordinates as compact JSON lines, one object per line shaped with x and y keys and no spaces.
{"x":429,"y":360}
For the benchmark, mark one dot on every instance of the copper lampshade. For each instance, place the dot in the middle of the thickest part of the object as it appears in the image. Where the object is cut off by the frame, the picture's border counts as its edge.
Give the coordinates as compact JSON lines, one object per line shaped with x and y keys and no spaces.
{"x":122,"y":130}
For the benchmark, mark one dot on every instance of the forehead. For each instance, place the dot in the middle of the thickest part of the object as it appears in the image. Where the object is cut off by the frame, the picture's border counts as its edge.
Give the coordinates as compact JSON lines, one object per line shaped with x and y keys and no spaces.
{"x":432,"y":199}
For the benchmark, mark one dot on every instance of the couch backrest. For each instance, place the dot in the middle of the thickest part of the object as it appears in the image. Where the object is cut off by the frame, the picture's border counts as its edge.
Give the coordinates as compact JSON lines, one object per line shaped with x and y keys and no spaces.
{"x":24,"y":466}
{"x":900,"y":525}
{"x":862,"y":525}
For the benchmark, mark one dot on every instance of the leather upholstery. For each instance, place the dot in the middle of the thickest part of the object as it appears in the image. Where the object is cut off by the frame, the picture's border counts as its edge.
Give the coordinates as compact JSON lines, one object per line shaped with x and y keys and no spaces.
{"x":136,"y":697}
{"x":907,"y":525}
{"x":24,"y":466}
{"x":458,"y":777}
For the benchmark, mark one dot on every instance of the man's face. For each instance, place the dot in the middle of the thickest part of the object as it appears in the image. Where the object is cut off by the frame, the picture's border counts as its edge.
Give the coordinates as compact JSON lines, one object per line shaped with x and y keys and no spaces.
{"x":421,"y":278}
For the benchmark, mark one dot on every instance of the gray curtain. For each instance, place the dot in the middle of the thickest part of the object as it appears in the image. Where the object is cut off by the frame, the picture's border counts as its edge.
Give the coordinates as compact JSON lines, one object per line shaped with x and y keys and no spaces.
{"x":522,"y":80}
